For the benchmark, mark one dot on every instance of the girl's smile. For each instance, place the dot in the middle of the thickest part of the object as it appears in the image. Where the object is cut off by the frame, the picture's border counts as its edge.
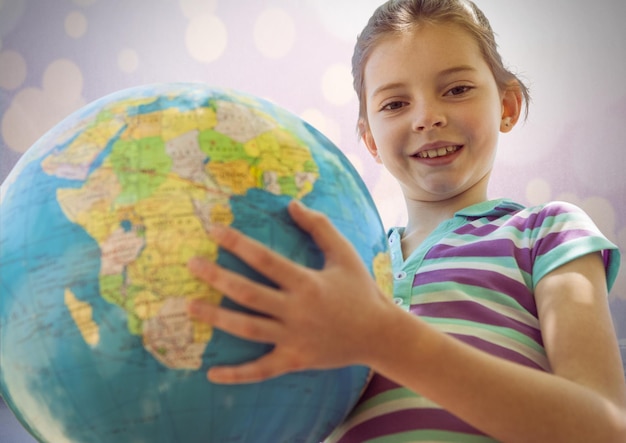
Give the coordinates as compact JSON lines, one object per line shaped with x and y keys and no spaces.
{"x":434,"y":114}
{"x":437,"y":152}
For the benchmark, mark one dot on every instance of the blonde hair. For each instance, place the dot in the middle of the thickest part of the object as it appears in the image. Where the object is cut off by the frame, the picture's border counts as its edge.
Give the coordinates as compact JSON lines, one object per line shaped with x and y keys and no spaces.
{"x":401,"y":16}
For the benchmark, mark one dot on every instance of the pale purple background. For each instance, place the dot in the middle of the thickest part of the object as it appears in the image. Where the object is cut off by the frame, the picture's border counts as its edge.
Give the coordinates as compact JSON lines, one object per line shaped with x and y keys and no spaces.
{"x":58,"y":55}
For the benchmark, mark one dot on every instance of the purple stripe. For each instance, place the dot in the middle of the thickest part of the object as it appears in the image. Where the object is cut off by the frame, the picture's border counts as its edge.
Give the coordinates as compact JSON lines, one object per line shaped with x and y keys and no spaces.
{"x":515,"y":220}
{"x":485,"y":249}
{"x":474,"y":312}
{"x":377,"y":385}
{"x":522,"y":220}
{"x":498,"y":351}
{"x":528,"y":220}
{"x":554,"y":209}
{"x":481,"y":279}
{"x":406,"y":421}
{"x":557,"y":239}
{"x":502,"y":247}
{"x":480,"y":231}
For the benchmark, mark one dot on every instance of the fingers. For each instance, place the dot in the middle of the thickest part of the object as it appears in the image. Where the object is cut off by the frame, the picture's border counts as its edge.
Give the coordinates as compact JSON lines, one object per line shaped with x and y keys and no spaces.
{"x":272,"y":265}
{"x":246,"y":326}
{"x":251,"y":327}
{"x":321,"y":229}
{"x":256,"y":296}
{"x":287,"y":309}
{"x":268,"y":366}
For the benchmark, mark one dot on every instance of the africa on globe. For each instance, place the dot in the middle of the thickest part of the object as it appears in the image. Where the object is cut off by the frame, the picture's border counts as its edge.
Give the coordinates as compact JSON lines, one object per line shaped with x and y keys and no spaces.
{"x":98,"y":221}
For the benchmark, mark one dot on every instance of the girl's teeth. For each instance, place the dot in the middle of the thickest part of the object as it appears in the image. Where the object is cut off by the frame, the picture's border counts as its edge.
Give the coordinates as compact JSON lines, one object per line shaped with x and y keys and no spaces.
{"x":440,"y":152}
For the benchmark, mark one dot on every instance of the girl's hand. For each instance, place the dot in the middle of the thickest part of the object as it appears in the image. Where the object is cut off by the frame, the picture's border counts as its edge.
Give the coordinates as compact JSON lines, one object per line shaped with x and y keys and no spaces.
{"x":317,"y":319}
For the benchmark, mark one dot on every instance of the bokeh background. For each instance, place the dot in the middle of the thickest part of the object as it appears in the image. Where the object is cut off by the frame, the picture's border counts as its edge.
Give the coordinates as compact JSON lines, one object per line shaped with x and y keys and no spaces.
{"x":58,"y":55}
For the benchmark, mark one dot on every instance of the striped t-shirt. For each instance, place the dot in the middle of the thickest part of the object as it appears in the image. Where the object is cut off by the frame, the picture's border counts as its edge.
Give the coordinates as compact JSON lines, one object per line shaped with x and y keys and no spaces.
{"x":474,"y":278}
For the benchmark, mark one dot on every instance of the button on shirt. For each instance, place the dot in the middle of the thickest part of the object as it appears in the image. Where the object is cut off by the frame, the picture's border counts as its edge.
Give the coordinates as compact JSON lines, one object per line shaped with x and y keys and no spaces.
{"x":404,"y":271}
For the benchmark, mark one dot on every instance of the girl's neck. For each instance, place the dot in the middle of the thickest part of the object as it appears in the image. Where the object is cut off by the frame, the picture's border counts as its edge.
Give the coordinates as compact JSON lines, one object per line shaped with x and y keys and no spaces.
{"x":425,"y":216}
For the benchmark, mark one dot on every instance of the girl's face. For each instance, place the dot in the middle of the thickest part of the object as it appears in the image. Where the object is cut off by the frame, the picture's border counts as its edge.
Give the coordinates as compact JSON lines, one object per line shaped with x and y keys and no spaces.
{"x":434,"y":113}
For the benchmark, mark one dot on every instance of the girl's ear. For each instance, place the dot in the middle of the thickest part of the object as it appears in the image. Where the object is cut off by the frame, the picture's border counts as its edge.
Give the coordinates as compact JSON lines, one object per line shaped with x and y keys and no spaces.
{"x":368,"y":140}
{"x":511,"y":106}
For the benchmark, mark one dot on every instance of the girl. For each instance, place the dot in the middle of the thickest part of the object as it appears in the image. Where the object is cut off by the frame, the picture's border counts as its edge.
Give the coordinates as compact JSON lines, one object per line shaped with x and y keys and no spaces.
{"x":504,"y":332}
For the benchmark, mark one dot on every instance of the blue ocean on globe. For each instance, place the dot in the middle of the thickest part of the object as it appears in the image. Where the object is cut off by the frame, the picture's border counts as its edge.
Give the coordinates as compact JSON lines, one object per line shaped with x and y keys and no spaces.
{"x":97,"y":223}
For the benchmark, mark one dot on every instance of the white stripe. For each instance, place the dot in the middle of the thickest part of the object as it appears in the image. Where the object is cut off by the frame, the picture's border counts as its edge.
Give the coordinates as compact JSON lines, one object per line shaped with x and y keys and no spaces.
{"x":512,"y":273}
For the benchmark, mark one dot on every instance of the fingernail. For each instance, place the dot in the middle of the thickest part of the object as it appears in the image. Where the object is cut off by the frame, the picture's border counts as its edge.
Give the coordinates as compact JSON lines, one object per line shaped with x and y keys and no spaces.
{"x":215,"y":230}
{"x":196,"y":264}
{"x":298,"y":204}
{"x":193,"y":306}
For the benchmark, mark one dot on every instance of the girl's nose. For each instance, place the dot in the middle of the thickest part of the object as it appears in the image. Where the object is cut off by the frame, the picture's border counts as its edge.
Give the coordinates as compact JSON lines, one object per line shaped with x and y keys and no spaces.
{"x":428,"y":117}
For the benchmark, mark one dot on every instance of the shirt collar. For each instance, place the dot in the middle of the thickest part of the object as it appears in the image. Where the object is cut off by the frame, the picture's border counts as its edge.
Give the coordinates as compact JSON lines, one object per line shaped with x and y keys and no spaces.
{"x":490,"y":208}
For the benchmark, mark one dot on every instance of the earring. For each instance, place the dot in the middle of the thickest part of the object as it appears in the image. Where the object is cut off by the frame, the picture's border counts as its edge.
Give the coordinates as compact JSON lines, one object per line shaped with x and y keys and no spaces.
{"x":507,"y":121}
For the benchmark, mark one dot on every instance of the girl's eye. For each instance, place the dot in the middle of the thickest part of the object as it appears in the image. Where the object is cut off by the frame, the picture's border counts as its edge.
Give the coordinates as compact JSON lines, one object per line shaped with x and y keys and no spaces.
{"x":393,"y":106}
{"x":458,"y":90}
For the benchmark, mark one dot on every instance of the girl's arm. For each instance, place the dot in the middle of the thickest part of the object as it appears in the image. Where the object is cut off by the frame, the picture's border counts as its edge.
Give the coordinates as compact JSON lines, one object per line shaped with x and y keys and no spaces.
{"x":337,"y":316}
{"x":584,"y":400}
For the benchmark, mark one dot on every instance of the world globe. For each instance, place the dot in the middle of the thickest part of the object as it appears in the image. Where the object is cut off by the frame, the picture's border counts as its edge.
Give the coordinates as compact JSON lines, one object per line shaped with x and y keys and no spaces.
{"x":98,"y":221}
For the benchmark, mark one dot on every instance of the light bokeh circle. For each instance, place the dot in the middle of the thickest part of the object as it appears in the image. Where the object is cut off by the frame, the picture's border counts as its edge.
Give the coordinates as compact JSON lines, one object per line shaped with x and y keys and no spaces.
{"x":63,"y":81}
{"x":75,"y":24}
{"x":206,"y":38}
{"x":327,"y":126}
{"x":337,"y":84}
{"x":12,"y":70}
{"x":195,"y":8}
{"x":128,"y":60}
{"x":274,"y":33}
{"x":33,"y":111}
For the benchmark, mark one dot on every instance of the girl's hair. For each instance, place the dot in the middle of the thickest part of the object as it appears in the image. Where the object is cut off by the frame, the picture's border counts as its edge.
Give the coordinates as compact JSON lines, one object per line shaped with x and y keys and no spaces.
{"x":400,"y":16}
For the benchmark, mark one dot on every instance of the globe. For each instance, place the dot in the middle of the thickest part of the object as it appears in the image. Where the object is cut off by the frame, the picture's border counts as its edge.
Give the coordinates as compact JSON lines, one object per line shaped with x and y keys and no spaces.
{"x":98,"y":220}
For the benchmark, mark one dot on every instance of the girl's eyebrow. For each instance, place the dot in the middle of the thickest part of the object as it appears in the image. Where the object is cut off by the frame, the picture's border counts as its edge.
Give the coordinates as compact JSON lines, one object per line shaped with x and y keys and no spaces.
{"x":444,"y":73}
{"x":385,"y":87}
{"x":457,"y":69}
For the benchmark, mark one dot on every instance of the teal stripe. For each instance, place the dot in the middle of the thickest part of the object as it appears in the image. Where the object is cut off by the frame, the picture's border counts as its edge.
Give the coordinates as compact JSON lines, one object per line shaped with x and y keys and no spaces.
{"x":504,"y":332}
{"x":473,"y":292}
{"x":572,"y":250}
{"x":434,"y":436}
{"x":384,"y":397}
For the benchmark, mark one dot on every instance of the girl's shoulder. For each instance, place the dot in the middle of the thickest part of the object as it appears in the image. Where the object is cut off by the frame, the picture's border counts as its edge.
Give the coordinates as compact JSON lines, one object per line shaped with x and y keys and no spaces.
{"x":555,"y":207}
{"x":560,"y":231}
{"x":558,"y":213}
